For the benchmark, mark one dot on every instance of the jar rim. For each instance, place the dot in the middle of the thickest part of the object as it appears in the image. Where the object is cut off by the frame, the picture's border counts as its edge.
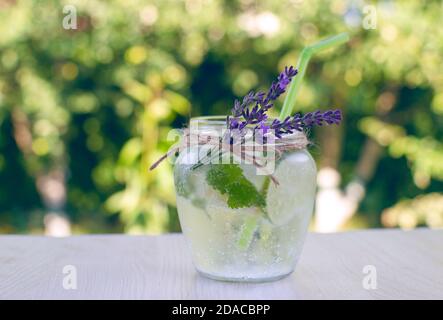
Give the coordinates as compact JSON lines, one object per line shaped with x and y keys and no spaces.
{"x":209,"y":120}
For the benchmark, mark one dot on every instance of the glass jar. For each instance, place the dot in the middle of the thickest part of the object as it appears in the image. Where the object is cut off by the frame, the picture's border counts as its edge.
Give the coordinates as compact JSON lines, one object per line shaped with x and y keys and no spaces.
{"x":232,"y":237}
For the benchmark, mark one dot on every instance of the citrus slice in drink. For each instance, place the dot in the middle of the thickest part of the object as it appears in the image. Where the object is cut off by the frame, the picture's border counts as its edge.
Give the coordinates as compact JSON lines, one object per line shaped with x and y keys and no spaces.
{"x":294,"y":194}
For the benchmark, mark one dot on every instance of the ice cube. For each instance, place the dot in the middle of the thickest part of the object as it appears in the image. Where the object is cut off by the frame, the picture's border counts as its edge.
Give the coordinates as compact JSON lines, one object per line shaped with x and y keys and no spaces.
{"x":295,"y":193}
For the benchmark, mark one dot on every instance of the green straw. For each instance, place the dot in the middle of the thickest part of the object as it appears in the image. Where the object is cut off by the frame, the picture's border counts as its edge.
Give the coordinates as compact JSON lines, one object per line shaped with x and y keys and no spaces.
{"x":306,"y":54}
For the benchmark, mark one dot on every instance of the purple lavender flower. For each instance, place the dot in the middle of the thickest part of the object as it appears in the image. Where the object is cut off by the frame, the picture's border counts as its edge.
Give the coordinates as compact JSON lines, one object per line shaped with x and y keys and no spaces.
{"x":254,"y":106}
{"x":318,"y":118}
{"x":279,"y":87}
{"x":301,"y":122}
{"x":233,"y":123}
{"x":260,"y":102}
{"x":249,"y":99}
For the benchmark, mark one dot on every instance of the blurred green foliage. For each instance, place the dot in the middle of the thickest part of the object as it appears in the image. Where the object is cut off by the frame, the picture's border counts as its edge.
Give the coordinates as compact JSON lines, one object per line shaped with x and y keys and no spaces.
{"x":99,"y":101}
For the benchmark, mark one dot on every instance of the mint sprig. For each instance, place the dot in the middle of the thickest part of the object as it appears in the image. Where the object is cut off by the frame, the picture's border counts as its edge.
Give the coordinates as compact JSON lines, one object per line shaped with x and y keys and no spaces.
{"x":229,"y":180}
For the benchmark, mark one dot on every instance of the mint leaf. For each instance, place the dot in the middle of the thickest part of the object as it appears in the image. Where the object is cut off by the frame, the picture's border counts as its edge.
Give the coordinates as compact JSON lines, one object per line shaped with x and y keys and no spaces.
{"x":229,"y":179}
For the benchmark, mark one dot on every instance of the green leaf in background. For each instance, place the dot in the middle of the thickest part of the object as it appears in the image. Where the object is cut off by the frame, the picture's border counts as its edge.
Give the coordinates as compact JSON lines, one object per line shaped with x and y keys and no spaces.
{"x":229,"y":179}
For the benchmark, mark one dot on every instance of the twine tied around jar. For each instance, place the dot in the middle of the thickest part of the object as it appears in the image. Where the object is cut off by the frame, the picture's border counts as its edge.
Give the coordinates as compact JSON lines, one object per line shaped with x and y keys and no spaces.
{"x":246,"y":149}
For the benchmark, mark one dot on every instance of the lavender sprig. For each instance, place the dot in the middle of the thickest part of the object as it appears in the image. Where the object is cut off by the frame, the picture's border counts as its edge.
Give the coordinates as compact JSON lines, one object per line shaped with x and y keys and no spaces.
{"x":260,"y":101}
{"x":279,"y":87}
{"x":301,"y":122}
{"x":249,"y":99}
{"x":254,"y":106}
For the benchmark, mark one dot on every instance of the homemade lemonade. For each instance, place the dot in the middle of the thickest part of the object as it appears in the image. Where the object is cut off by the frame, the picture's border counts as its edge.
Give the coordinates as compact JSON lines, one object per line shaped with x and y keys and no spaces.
{"x":243,"y":219}
{"x":254,"y":243}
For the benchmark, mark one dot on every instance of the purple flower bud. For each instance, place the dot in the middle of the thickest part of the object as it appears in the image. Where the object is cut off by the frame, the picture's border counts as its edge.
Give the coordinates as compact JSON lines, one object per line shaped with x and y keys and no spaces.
{"x":234,"y":123}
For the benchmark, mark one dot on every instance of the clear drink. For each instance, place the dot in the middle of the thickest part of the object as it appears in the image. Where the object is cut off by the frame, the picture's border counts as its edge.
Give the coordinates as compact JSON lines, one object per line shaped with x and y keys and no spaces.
{"x":251,"y":243}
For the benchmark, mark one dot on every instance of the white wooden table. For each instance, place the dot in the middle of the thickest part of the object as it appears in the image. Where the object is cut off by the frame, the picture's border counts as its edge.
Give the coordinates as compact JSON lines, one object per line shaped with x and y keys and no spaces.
{"x":409,"y":265}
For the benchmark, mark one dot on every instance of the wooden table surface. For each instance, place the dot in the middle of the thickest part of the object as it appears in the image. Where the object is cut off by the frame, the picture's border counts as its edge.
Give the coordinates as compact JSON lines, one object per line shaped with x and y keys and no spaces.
{"x":409,"y":265}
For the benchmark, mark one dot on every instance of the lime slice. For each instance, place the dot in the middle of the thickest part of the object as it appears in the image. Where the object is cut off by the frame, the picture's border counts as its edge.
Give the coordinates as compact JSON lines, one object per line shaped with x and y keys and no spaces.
{"x":250,"y":173}
{"x":247,"y":232}
{"x":295,"y":193}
